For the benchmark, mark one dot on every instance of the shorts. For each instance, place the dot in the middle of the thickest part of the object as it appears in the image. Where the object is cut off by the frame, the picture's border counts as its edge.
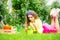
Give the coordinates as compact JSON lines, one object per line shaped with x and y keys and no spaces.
{"x":49,"y":29}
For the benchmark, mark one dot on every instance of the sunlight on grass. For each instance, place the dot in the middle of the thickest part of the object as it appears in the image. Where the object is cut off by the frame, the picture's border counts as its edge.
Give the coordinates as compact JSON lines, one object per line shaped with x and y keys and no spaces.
{"x":23,"y":36}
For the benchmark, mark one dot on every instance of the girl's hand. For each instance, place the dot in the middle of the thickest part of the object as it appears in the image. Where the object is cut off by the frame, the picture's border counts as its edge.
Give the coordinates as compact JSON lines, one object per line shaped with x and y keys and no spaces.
{"x":34,"y":26}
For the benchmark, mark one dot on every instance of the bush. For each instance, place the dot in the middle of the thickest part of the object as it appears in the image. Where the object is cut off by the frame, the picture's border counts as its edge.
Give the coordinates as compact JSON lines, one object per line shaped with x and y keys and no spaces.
{"x":19,"y":8}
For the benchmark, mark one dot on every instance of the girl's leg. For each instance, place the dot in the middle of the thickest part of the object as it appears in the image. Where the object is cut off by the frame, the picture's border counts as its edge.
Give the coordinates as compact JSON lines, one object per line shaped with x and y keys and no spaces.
{"x":57,"y":23}
{"x":53,"y":25}
{"x":52,"y":21}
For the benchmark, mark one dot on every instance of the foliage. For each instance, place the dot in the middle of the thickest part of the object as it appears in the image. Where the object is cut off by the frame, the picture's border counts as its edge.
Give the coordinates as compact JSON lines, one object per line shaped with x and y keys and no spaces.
{"x":19,"y":8}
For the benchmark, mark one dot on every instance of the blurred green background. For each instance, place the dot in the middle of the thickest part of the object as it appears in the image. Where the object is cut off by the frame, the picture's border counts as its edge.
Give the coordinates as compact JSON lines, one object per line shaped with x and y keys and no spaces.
{"x":14,"y":11}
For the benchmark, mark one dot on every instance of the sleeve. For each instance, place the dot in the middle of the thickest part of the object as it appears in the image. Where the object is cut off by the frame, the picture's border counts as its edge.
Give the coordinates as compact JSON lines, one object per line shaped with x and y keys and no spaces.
{"x":39,"y":26}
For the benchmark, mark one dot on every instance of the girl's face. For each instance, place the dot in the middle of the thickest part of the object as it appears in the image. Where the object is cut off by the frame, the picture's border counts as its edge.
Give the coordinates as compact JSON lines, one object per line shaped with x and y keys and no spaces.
{"x":31,"y":18}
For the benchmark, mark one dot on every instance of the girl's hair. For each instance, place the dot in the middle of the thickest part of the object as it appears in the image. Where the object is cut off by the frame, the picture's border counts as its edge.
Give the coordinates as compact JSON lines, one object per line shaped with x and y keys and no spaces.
{"x":30,"y":12}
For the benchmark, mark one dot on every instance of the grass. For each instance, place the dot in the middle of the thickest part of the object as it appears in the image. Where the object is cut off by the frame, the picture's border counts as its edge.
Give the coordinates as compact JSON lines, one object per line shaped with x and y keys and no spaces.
{"x":23,"y":36}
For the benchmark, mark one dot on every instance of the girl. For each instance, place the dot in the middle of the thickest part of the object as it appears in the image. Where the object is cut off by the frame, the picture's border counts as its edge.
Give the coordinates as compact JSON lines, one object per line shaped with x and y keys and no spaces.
{"x":34,"y":24}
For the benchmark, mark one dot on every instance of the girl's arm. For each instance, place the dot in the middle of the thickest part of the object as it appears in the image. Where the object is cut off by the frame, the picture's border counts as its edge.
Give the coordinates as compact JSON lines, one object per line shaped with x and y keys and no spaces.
{"x":34,"y":26}
{"x":39,"y":26}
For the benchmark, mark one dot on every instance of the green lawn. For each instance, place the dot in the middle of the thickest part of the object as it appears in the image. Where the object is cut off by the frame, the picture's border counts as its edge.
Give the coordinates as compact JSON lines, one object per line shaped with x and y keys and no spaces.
{"x":23,"y":36}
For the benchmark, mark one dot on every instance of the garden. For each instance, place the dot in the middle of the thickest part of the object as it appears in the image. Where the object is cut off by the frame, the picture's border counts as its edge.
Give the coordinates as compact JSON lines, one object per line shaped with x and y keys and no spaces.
{"x":12,"y":16}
